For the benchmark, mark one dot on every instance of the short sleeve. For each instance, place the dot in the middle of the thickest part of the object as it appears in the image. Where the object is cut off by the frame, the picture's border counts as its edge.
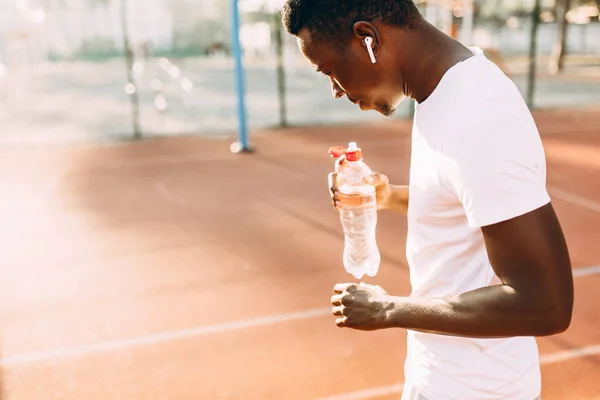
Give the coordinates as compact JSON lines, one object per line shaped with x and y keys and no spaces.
{"x":495,"y":166}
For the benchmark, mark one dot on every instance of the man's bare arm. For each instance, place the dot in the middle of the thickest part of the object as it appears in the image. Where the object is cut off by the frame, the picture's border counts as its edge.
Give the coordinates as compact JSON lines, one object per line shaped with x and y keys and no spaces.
{"x":529,"y":254}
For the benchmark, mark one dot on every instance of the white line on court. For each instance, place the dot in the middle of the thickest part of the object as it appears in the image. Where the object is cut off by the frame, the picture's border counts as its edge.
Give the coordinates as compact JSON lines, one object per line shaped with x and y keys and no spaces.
{"x":396,"y":389}
{"x":580,"y":272}
{"x":160,"y":337}
{"x":572,"y":354}
{"x":574,"y":199}
{"x":79,"y":351}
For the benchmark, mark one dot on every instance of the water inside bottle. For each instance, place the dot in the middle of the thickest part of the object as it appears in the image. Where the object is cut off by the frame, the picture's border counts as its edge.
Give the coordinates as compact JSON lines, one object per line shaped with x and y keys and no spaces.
{"x":359,"y":219}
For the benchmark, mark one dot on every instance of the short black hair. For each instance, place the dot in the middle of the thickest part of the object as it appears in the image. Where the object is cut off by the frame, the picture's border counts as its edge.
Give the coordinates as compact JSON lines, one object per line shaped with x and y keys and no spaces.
{"x":337,"y":17}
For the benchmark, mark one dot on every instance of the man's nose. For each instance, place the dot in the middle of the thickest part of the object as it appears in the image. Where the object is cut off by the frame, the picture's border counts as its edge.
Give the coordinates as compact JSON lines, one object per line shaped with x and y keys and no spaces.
{"x":336,"y":90}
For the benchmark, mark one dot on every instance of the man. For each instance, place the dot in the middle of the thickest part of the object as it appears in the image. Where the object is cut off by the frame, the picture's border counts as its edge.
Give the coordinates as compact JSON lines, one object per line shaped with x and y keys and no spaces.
{"x":489,"y":265}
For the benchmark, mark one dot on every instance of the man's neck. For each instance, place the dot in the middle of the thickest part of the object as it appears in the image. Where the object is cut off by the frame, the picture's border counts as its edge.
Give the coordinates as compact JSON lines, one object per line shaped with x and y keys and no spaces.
{"x":436,"y":54}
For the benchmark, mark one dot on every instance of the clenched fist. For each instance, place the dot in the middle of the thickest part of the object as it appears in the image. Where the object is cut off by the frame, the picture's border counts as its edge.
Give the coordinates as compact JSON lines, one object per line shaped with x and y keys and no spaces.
{"x":361,"y":306}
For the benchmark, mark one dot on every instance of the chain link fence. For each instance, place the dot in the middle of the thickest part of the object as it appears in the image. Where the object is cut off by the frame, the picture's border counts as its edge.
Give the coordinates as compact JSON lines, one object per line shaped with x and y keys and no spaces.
{"x":65,"y":77}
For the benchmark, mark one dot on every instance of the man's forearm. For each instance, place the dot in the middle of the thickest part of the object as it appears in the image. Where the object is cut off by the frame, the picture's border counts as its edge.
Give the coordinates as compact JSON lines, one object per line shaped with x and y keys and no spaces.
{"x":489,"y":312}
{"x":398,"y":200}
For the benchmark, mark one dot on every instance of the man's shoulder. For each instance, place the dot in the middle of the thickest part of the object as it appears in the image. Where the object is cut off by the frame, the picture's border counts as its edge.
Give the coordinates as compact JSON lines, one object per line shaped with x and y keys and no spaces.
{"x":478,"y":93}
{"x":490,"y":109}
{"x":480,"y":80}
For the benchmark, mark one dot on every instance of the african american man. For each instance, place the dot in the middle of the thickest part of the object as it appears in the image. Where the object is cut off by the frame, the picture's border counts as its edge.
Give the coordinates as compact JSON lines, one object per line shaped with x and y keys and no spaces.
{"x":489,"y":265}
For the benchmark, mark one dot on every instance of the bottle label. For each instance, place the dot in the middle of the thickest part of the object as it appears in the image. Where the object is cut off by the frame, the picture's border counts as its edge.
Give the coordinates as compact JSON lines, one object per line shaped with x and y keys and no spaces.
{"x":357,"y":195}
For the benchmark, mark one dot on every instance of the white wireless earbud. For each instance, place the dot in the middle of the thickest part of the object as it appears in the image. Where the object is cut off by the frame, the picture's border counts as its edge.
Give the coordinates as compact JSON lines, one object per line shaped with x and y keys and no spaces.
{"x":369,"y":43}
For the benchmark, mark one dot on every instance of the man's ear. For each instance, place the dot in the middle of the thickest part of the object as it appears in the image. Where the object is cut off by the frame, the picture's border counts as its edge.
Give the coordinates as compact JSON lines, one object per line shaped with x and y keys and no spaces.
{"x":362,"y":30}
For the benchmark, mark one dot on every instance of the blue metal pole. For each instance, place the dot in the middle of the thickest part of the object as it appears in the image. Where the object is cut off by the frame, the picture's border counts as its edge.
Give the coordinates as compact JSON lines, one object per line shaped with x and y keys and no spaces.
{"x":242,"y":144}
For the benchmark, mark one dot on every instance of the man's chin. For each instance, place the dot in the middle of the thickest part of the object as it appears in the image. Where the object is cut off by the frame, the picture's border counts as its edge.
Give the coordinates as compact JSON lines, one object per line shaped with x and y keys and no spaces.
{"x":386,"y":110}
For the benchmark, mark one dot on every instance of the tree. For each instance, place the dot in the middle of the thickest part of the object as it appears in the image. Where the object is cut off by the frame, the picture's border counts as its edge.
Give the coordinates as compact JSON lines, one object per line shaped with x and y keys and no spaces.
{"x":559,"y":49}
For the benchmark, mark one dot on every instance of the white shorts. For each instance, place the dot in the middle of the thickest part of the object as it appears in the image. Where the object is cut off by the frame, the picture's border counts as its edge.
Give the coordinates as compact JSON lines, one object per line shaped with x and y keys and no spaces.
{"x":410,"y":393}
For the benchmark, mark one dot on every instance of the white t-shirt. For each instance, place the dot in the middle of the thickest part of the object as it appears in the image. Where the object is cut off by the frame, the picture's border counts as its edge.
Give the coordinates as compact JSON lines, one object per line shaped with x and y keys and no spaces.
{"x":477,"y":159}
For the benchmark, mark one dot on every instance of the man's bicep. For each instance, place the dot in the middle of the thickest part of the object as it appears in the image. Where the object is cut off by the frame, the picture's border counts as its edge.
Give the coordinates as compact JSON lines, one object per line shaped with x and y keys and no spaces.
{"x":529,"y":253}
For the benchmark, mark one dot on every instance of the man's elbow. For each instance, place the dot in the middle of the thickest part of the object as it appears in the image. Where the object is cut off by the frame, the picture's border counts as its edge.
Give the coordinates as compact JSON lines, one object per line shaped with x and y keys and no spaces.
{"x":558,"y":324}
{"x":557,"y":319}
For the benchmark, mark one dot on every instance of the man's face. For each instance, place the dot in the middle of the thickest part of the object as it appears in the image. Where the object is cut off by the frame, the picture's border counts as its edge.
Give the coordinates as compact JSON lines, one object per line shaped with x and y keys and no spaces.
{"x":351,"y":72}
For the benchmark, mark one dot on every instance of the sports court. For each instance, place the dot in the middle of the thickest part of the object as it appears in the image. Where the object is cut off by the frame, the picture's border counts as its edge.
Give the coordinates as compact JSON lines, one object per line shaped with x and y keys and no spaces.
{"x":174,"y":269}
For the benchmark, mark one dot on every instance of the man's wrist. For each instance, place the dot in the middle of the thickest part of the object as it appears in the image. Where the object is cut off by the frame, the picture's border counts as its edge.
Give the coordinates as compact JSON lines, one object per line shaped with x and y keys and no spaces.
{"x":398,"y":199}
{"x":391,"y":199}
{"x":392,"y":311}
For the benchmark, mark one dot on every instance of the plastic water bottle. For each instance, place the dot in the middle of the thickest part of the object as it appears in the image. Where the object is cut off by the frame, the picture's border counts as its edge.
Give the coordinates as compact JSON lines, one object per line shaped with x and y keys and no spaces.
{"x":358,"y":213}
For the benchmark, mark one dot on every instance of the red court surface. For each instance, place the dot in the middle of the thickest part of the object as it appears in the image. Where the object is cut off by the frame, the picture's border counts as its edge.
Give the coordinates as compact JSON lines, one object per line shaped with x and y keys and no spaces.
{"x":173,"y":269}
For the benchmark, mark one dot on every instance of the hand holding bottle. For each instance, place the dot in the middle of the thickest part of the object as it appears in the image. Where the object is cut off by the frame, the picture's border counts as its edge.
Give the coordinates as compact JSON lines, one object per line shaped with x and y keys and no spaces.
{"x":381,"y":182}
